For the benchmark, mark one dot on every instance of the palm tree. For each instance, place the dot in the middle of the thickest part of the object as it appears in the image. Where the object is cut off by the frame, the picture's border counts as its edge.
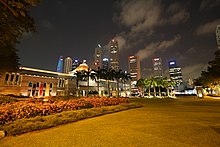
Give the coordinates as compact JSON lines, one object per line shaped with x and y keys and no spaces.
{"x":125,"y":77}
{"x":140,"y":84}
{"x":99,"y":74}
{"x":89,"y":74}
{"x":147,"y":83}
{"x":118,"y":76}
{"x":153,"y":83}
{"x":167,"y":84}
{"x":108,"y":75}
{"x":160,"y":83}
{"x":79,"y":76}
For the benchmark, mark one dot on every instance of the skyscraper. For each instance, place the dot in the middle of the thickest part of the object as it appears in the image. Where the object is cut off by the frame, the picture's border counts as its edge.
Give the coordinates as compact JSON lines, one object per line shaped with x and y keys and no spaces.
{"x":60,"y":64}
{"x":134,"y":67}
{"x":105,"y":63}
{"x":75,"y":64}
{"x":114,"y":55}
{"x":218,"y":35}
{"x":67,"y":65}
{"x":98,"y":57}
{"x":157,"y":67}
{"x":175,"y":72}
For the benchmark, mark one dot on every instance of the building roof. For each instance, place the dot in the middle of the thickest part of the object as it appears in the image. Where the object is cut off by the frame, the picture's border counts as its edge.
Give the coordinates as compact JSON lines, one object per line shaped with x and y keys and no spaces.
{"x":43,"y":71}
{"x":81,"y":67}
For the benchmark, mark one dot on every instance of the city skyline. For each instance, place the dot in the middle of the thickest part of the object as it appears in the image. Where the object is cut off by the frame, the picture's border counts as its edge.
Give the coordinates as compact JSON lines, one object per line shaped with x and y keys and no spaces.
{"x":184,"y":31}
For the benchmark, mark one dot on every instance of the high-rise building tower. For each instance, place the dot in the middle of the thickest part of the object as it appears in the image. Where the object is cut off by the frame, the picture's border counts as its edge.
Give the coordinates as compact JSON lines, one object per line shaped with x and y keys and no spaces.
{"x":67,"y":65}
{"x":134,"y":67}
{"x":98,"y":57}
{"x":218,"y":35}
{"x":114,"y":55}
{"x":175,"y":72}
{"x":105,"y":63}
{"x":75,"y":64}
{"x":60,"y":64}
{"x":157,"y":67}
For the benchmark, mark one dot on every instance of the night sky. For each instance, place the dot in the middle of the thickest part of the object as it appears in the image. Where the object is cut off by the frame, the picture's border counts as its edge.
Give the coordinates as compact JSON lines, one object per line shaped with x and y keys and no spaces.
{"x":179,"y":30}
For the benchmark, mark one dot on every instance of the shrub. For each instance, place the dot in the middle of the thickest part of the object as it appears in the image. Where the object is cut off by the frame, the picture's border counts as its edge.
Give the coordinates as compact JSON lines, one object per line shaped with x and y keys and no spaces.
{"x":32,"y":108}
{"x":24,"y":125}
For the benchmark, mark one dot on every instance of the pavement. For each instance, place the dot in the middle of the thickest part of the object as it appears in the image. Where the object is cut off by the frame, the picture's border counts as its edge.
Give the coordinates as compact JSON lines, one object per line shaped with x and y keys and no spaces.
{"x":161,"y":122}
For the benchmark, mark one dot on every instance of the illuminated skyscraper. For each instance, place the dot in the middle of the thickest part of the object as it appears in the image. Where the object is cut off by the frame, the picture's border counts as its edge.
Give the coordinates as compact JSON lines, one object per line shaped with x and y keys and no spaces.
{"x":105,"y":63}
{"x":114,"y":55}
{"x":98,"y":57}
{"x":60,"y":64}
{"x":175,"y":72}
{"x":75,"y":64}
{"x":134,"y":67}
{"x":67,"y":65}
{"x":218,"y":35}
{"x":157,"y":67}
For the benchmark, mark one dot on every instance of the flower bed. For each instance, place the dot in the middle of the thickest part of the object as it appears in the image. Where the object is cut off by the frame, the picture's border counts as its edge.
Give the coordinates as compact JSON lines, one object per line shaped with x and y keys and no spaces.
{"x":27,"y":109}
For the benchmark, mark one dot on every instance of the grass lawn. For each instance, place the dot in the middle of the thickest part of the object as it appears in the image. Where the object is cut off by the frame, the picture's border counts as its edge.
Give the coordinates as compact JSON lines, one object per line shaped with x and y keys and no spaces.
{"x":161,"y":122}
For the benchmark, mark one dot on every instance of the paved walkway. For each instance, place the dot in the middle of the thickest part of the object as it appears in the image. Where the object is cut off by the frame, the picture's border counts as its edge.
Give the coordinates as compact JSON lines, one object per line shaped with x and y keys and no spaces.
{"x":182,"y":122}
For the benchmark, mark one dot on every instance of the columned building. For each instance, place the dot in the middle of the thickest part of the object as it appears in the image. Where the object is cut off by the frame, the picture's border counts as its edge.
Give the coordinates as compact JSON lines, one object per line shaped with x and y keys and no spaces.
{"x":33,"y":82}
{"x":98,"y":57}
{"x":114,"y":55}
{"x":157,"y":67}
{"x":175,"y":72}
{"x":68,"y":63}
{"x":218,"y":35}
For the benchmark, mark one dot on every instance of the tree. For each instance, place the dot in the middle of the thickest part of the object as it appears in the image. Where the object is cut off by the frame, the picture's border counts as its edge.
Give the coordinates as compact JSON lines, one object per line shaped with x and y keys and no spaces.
{"x":87,"y":75}
{"x":160,"y":84}
{"x":141,"y":85}
{"x":153,"y":83}
{"x":9,"y":60}
{"x":147,"y":83}
{"x":14,"y":22}
{"x":168,"y":84}
{"x":99,"y":74}
{"x":108,"y":75}
{"x":118,"y":76}
{"x":125,"y":77}
{"x":212,"y":75}
{"x":79,"y":76}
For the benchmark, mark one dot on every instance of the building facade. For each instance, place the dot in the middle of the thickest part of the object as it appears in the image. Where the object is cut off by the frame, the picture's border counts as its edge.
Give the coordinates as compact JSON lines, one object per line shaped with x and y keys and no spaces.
{"x":38,"y":83}
{"x":218,"y":35}
{"x":98,"y":57}
{"x":157,"y":67}
{"x":105,"y":63}
{"x":75,"y":64}
{"x":175,"y":72}
{"x":134,"y":67}
{"x":33,"y":82}
{"x":60,"y":64}
{"x":114,"y":55}
{"x":68,"y":63}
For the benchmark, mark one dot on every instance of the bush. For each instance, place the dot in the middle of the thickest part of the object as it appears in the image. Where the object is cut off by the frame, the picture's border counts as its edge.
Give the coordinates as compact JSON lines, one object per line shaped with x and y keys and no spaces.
{"x":42,"y":122}
{"x":32,"y":108}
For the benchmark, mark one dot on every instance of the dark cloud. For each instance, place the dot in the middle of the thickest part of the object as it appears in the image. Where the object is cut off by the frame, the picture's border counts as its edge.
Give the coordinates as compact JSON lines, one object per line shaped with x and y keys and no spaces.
{"x":180,"y":30}
{"x":208,"y":4}
{"x":208,"y":27}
